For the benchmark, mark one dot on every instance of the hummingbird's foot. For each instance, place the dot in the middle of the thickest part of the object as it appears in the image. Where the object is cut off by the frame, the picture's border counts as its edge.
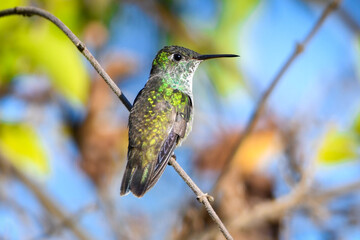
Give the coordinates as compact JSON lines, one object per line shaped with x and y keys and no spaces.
{"x":172,"y":156}
{"x":201,"y":198}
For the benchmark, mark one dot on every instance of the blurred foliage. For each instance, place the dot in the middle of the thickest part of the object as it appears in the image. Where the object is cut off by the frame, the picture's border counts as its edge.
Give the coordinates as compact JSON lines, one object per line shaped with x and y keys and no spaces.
{"x":338,"y":146}
{"x":21,"y":145}
{"x":37,"y":46}
{"x":226,"y":38}
{"x":357,"y":125}
{"x":358,"y":55}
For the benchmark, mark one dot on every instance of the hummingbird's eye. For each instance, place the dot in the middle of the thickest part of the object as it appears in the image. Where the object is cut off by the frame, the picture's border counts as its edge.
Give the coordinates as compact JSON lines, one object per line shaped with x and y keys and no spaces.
{"x":177,"y":57}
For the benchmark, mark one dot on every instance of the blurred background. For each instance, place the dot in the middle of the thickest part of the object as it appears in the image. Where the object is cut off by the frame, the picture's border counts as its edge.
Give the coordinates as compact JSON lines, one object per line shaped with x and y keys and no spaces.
{"x":63,"y":133}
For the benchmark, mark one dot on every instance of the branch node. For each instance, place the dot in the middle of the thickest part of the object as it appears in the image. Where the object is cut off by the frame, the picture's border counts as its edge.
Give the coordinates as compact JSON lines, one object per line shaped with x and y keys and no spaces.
{"x":80,"y":46}
{"x":335,"y":4}
{"x":201,"y":198}
{"x":299,"y":48}
{"x":18,"y":10}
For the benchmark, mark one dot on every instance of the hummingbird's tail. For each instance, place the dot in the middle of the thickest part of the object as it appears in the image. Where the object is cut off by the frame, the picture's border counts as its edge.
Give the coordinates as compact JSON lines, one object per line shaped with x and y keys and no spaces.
{"x":136,"y":179}
{"x":139,"y":178}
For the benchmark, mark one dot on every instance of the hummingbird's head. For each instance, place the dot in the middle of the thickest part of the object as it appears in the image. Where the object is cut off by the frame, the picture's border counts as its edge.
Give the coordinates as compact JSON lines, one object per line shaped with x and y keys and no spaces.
{"x":177,"y":65}
{"x":174,"y":59}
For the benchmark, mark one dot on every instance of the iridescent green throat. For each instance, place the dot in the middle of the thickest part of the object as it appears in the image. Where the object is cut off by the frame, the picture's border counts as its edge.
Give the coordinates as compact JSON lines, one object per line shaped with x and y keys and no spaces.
{"x":176,"y":75}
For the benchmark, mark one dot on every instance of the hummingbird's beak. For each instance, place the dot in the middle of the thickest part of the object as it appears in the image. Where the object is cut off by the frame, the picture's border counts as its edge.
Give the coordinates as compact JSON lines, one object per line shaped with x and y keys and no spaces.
{"x":206,"y":57}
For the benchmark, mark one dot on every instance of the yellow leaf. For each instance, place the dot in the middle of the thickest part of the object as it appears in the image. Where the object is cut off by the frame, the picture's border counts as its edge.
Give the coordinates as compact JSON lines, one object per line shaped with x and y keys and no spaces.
{"x":20,"y":144}
{"x":357,"y":125}
{"x":257,"y":150}
{"x":337,"y":147}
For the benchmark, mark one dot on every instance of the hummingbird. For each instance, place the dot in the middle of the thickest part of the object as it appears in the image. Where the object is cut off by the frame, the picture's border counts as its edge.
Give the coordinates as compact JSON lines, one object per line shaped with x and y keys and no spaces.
{"x":161,"y":117}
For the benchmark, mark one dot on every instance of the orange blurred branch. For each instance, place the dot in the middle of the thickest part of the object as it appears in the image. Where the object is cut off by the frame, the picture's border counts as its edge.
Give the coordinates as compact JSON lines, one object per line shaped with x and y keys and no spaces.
{"x":300,"y":196}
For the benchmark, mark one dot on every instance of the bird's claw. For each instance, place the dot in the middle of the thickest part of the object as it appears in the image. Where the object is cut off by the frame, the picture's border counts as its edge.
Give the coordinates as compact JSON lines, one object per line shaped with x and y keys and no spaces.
{"x":201,"y":198}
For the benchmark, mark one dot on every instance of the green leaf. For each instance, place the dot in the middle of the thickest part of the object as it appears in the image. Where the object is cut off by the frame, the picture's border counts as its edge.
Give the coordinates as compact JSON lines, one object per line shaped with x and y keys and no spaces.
{"x":224,"y":80}
{"x":337,"y":147}
{"x":34,"y":45}
{"x":8,"y":26}
{"x":55,"y":55}
{"x":226,"y":38}
{"x":234,"y":14}
{"x":12,"y":3}
{"x":21,"y":145}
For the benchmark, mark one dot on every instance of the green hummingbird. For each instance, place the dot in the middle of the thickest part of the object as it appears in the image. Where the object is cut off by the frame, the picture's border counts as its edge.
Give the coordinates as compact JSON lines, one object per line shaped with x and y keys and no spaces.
{"x":161,"y":117}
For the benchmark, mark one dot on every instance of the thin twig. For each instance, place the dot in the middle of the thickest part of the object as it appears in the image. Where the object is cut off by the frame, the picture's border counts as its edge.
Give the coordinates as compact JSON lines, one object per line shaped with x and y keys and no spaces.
{"x":299,"y":196}
{"x":203,"y":198}
{"x":73,"y":217}
{"x":29,"y":11}
{"x":299,"y":48}
{"x":45,"y":201}
{"x":335,"y":192}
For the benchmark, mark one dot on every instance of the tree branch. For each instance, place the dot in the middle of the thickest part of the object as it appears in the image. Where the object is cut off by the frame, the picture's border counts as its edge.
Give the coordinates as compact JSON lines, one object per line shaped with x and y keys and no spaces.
{"x":299,"y":48}
{"x":29,"y":11}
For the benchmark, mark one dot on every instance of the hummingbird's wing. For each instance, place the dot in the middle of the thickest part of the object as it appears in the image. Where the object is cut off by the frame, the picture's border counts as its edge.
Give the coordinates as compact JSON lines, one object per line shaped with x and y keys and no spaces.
{"x":177,"y":132}
{"x":164,"y":156}
{"x":156,"y":125}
